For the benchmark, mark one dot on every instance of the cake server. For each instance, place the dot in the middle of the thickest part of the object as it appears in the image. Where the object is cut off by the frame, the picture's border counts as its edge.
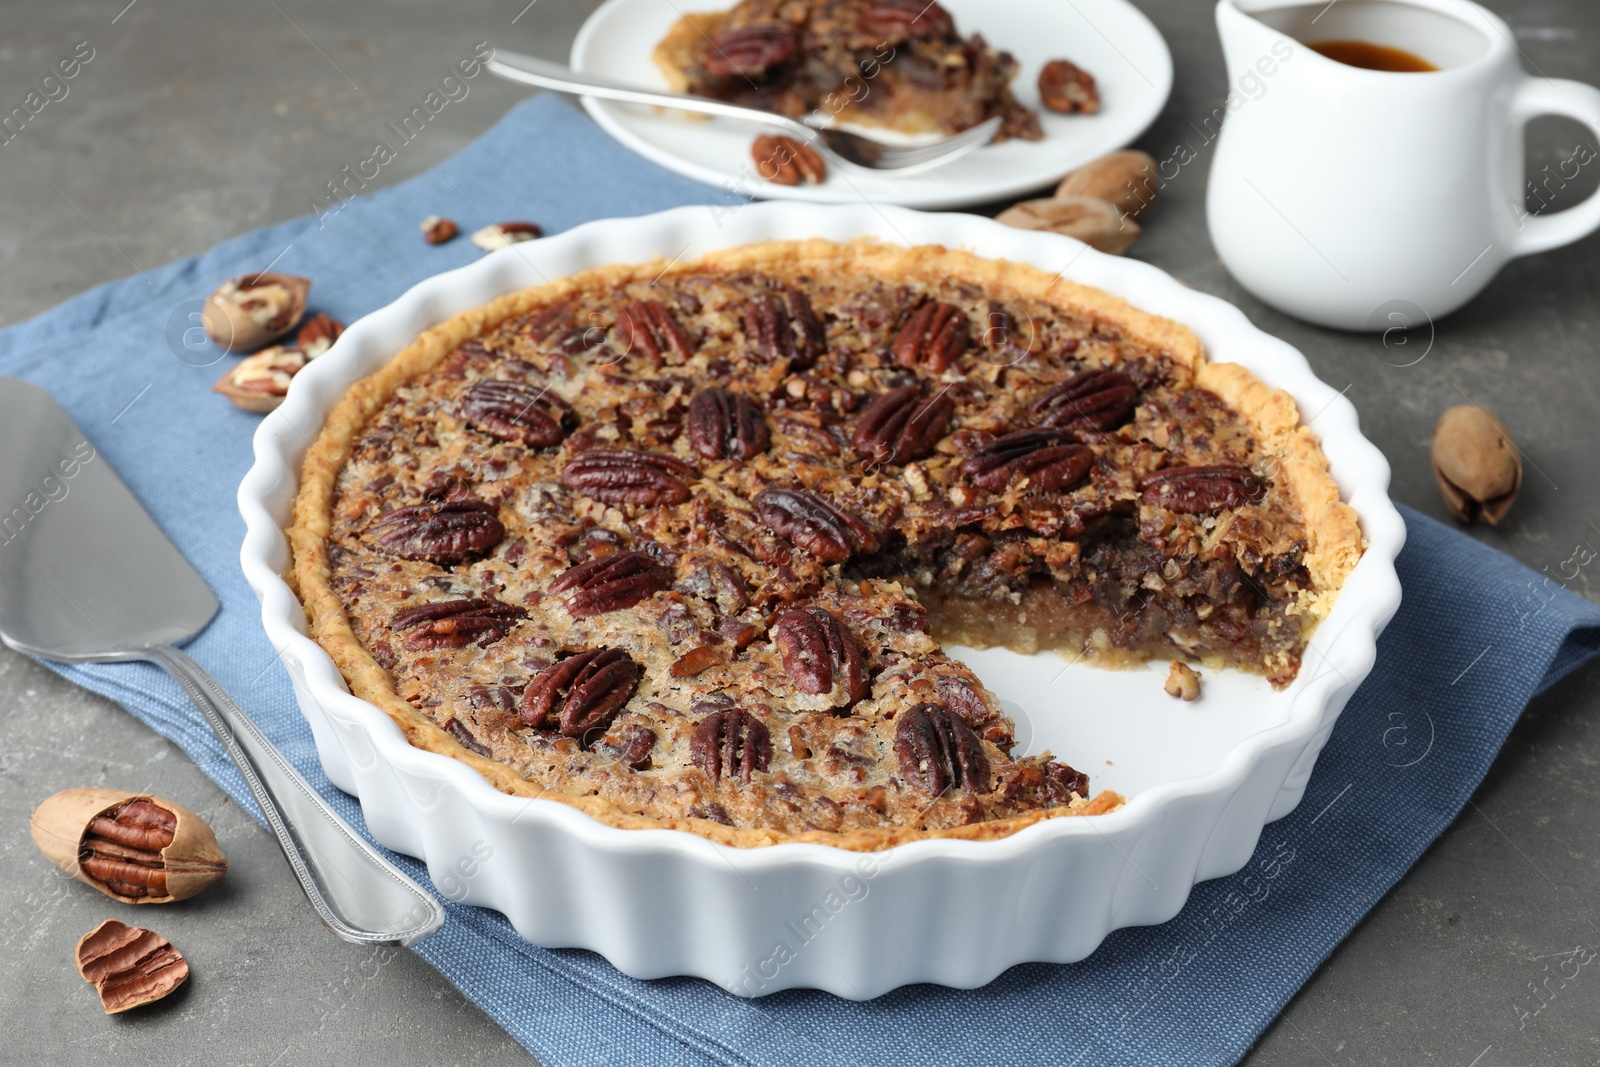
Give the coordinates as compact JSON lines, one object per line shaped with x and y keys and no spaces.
{"x":86,"y":576}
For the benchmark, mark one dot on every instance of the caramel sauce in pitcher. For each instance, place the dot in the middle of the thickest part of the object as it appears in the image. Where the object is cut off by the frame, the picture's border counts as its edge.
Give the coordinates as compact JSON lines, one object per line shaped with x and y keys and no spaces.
{"x":1371,"y":56}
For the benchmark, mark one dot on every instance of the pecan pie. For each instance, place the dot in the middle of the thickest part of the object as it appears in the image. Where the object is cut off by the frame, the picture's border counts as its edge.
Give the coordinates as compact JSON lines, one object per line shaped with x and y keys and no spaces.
{"x":894,"y":63}
{"x":683,"y":546}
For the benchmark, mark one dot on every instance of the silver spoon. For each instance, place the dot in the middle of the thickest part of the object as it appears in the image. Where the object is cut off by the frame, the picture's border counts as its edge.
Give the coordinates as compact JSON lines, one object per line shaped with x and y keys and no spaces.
{"x":836,"y":146}
{"x":86,"y":576}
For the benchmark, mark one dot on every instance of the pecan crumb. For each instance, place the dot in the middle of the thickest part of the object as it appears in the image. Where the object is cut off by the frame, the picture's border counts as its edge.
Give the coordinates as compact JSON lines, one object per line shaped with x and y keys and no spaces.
{"x":436,"y":230}
{"x":1183,"y":681}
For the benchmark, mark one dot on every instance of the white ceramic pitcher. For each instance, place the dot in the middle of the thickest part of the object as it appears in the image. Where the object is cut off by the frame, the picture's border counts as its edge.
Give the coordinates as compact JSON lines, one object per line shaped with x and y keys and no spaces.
{"x":1364,"y":199}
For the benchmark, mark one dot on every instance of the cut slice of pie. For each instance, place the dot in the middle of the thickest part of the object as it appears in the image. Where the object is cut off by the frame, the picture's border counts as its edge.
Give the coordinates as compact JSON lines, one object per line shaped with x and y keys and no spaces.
{"x":894,"y":63}
{"x":684,"y":546}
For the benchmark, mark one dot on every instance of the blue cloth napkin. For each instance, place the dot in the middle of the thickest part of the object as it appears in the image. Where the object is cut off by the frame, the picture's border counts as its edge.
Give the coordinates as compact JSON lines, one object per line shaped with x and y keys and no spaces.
{"x":1477,"y":636}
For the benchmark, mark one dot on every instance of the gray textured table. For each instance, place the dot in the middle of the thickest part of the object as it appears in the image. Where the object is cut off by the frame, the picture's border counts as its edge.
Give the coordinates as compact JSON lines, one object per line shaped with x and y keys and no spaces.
{"x":196,"y":121}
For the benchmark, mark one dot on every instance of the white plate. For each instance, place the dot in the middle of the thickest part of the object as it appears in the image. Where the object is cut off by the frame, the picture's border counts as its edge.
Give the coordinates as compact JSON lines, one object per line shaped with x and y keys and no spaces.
{"x":1111,"y":39}
{"x":1203,"y":778}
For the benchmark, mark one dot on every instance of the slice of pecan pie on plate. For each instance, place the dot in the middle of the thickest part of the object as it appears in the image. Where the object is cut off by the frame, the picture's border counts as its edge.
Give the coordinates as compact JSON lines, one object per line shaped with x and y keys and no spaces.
{"x":683,"y":546}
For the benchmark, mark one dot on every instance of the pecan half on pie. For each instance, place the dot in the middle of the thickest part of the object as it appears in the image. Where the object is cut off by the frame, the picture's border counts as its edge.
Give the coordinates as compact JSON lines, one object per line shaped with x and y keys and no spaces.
{"x":894,"y":63}
{"x":682,"y":547}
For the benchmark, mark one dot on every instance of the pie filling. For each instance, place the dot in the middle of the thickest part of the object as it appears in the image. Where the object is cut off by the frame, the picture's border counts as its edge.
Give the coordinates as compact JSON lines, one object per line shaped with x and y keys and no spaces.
{"x":894,"y":63}
{"x":683,"y":547}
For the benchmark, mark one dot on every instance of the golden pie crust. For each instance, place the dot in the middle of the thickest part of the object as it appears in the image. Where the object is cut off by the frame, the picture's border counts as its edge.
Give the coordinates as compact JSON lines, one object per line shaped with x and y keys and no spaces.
{"x":1332,"y":539}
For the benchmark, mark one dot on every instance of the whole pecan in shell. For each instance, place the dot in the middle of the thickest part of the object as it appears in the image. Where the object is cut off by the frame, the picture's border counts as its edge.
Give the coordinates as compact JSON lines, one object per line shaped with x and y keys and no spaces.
{"x":1037,"y":455}
{"x":817,"y":652}
{"x":786,"y":328}
{"x":649,"y":327}
{"x":815,"y":523}
{"x":582,"y":692}
{"x":610,"y":583}
{"x":902,"y":425}
{"x":731,"y":742}
{"x":1099,"y":399}
{"x":749,"y":52}
{"x":516,"y":411}
{"x":446,"y":531}
{"x":456,"y":623}
{"x":624,"y":476}
{"x":937,"y":750}
{"x":726,"y":425}
{"x":932,"y":337}
{"x":1201,"y":490}
{"x":894,"y":21}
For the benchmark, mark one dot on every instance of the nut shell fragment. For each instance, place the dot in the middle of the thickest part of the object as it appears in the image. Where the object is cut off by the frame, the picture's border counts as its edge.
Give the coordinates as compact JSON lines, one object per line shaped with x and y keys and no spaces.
{"x":1477,"y":465}
{"x":1126,"y":179}
{"x":254,"y":309}
{"x":260,"y":382}
{"x":129,"y":966}
{"x":1097,"y":223}
{"x":134,"y":847}
{"x":505,"y":234}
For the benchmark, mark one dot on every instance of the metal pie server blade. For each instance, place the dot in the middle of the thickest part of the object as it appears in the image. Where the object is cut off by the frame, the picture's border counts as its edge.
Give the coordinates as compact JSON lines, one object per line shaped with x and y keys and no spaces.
{"x":87,"y":576}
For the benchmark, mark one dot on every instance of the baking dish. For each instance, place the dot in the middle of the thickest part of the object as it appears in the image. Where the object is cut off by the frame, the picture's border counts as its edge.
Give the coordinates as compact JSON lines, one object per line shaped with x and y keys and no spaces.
{"x":1203,"y":778}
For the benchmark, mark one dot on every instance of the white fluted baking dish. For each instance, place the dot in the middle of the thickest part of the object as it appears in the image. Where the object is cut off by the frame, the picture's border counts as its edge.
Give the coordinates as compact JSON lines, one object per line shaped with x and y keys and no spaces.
{"x":1203,"y":778}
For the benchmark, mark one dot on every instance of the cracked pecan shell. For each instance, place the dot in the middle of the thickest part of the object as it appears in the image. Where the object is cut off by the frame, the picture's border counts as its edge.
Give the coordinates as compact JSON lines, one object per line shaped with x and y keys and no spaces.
{"x":903,"y":425}
{"x":624,"y":476}
{"x":446,"y":531}
{"x":1099,"y":399}
{"x":1037,"y":455}
{"x":731,"y":743}
{"x":610,"y":583}
{"x":932,"y":337}
{"x":749,"y":52}
{"x":456,"y":623}
{"x":649,"y":327}
{"x":516,"y":411}
{"x":818,"y":652}
{"x":814,"y":523}
{"x":783,"y":325}
{"x":726,"y":425}
{"x":1201,"y":490}
{"x":938,"y":750}
{"x":581,"y":693}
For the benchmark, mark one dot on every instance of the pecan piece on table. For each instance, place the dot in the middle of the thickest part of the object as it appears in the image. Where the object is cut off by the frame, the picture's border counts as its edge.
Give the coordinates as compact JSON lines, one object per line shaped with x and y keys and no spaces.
{"x":582,"y":692}
{"x":447,"y":531}
{"x":1201,"y":490}
{"x":516,"y":411}
{"x":896,"y":21}
{"x":650,"y":327}
{"x":456,"y":623}
{"x":731,"y":742}
{"x":458,"y":730}
{"x":749,"y":52}
{"x":624,"y":476}
{"x":129,"y":965}
{"x":932,"y":337}
{"x":785,"y":160}
{"x":1037,"y":455}
{"x":610,"y":583}
{"x":817,"y":651}
{"x":903,"y":425}
{"x":1099,"y":399}
{"x":815,"y":523}
{"x":937,"y":750}
{"x":726,"y":425}
{"x":785,"y":328}
{"x":1068,"y":88}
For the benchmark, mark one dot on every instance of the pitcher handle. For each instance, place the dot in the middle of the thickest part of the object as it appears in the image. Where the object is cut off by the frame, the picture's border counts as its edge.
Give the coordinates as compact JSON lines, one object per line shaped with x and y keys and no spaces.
{"x":1575,"y":100}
